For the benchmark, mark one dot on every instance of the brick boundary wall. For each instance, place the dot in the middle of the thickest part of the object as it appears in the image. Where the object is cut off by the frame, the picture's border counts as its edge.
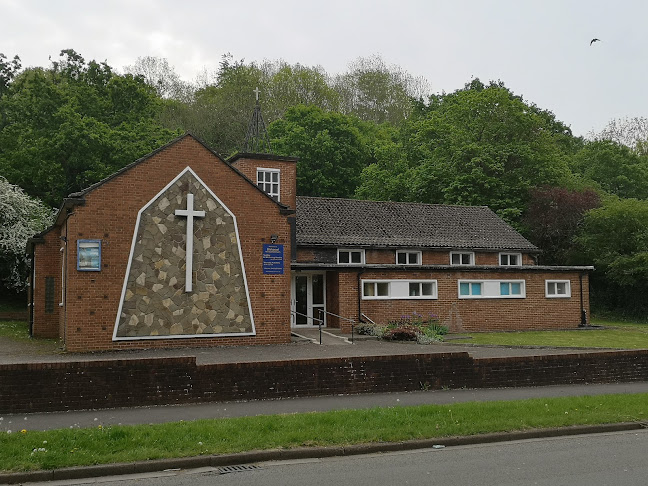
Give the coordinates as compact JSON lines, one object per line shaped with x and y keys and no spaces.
{"x":41,"y":387}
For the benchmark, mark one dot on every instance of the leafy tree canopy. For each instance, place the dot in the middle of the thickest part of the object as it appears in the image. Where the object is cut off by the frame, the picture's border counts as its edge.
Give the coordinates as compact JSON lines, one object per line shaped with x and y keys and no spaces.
{"x":332,"y":149}
{"x":73,"y":124}
{"x":481,"y":145}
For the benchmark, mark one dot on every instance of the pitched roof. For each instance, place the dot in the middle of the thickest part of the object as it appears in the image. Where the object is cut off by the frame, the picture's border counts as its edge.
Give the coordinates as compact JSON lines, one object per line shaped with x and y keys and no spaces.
{"x":342,"y":222}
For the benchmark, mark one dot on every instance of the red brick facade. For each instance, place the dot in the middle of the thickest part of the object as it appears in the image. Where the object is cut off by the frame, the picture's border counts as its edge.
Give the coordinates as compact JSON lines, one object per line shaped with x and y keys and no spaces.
{"x":89,"y":302}
{"x":81,"y":307}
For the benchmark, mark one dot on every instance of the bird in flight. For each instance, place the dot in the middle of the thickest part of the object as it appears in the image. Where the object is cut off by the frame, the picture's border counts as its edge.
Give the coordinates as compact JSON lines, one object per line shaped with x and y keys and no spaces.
{"x":594,"y":40}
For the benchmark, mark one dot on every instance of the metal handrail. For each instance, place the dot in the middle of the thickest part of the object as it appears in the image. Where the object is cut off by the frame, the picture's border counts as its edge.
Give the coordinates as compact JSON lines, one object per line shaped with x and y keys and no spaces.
{"x":319,"y":325}
{"x":352,"y":321}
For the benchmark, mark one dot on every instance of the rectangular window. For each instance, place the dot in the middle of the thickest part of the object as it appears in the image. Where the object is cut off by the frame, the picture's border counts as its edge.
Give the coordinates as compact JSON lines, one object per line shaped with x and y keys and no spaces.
{"x":351,"y":257}
{"x":49,"y":295}
{"x":462,"y":258}
{"x":408,"y":257}
{"x":510,"y":259}
{"x":557,"y":288}
{"x":268,"y":181}
{"x":492,"y":289}
{"x":89,"y":255}
{"x":399,"y":289}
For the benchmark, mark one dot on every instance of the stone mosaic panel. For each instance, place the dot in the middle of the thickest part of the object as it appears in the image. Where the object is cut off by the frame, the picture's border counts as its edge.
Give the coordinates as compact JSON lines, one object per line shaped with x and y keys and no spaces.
{"x":155,"y":303}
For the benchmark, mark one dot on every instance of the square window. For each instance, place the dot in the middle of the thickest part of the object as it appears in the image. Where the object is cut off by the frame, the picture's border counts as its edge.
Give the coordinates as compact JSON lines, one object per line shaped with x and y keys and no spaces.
{"x":356,"y":257}
{"x":475,"y":289}
{"x":351,"y":257}
{"x":510,"y":259}
{"x":343,"y":257}
{"x":268,"y":181}
{"x":558,"y":288}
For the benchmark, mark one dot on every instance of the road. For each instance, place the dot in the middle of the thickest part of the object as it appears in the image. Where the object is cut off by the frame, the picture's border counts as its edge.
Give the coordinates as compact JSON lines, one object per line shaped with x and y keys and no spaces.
{"x":618,"y":459}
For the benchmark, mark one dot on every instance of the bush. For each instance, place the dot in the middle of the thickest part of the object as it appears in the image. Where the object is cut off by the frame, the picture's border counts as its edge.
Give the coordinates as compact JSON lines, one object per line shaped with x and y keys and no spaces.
{"x":416,"y":328}
{"x":402,"y":333}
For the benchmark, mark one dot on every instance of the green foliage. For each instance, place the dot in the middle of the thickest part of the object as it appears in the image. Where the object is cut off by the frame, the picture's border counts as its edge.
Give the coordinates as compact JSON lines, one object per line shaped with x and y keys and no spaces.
{"x":21,"y":217}
{"x":481,"y":145}
{"x":332,"y":149}
{"x":68,"y":126}
{"x":614,"y":238}
{"x":614,"y":168}
{"x":415,"y":327}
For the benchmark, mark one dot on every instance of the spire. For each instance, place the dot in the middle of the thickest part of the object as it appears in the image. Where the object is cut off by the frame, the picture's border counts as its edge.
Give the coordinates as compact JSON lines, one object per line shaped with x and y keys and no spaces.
{"x":256,"y":139}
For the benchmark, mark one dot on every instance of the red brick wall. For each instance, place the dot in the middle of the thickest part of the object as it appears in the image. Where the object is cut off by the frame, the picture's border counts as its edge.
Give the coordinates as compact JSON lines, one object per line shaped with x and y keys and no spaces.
{"x":48,"y":264}
{"x":40,"y":387}
{"x":110,"y":215}
{"x":533,"y":312}
{"x":287,"y":178}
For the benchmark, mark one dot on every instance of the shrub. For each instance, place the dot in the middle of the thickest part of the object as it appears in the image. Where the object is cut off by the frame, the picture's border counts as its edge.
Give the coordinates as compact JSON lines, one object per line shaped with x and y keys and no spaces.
{"x":402,"y":333}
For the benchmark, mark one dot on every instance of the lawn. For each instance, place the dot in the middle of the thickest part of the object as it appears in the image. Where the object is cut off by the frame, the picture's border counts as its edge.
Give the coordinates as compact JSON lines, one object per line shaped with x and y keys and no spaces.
{"x":611,"y":334}
{"x":18,"y":330}
{"x":23,"y":450}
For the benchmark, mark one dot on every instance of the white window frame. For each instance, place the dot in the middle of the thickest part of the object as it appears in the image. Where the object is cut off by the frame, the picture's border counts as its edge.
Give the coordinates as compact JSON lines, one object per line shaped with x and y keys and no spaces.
{"x":556,"y":295}
{"x":508,"y":256}
{"x":471,"y":255}
{"x":351,"y":250}
{"x":491,"y":289}
{"x":266,"y":186}
{"x":399,"y":289}
{"x":407,"y":254}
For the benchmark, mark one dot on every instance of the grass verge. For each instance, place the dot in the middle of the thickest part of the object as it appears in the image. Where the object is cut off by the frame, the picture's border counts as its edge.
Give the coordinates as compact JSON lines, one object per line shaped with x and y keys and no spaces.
{"x":616,"y":335}
{"x":18,"y":330}
{"x":33,"y":450}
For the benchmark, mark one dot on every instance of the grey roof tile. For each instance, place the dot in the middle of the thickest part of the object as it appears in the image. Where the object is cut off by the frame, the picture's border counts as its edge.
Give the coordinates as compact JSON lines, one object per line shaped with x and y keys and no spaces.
{"x":340,"y":222}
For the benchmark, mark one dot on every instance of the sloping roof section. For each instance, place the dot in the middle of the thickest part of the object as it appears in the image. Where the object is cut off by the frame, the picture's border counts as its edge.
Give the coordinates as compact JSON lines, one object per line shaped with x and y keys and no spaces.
{"x":348,"y":222}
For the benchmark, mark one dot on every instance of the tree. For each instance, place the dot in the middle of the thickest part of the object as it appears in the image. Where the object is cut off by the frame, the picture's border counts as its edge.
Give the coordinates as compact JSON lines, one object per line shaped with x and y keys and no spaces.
{"x":373,"y":91}
{"x":332,"y":149}
{"x":481,"y":145}
{"x":21,"y":217}
{"x":553,"y":219}
{"x":631,"y":132}
{"x":73,"y":124}
{"x":614,"y":237}
{"x":614,"y":168}
{"x":158,"y":74}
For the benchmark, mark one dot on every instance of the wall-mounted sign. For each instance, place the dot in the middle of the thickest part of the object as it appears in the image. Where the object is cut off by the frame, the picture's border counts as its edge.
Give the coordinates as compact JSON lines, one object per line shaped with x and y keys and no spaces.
{"x":89,"y":255}
{"x":273,"y":259}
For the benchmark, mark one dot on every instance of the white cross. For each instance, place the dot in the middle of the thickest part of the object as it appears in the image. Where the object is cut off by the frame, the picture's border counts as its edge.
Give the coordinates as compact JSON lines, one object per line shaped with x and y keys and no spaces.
{"x":190,"y":214}
{"x":256,"y":92}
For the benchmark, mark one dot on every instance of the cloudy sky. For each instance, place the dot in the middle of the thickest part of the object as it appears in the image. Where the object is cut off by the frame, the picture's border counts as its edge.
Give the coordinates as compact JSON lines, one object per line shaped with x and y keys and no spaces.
{"x":540,"y":49}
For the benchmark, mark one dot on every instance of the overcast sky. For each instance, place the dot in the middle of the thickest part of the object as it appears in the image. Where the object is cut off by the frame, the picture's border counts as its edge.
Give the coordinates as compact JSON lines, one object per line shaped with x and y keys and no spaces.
{"x":540,"y":49}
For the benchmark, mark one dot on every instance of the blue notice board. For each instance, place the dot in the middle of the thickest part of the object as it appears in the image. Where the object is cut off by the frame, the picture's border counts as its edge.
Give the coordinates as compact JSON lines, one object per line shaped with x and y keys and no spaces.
{"x":273,"y":259}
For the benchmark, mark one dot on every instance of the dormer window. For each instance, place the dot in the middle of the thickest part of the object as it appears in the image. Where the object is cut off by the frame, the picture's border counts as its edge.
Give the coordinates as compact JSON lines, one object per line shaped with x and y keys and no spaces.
{"x":462,"y":258}
{"x":268,"y":181}
{"x":408,"y":257}
{"x":510,"y":259}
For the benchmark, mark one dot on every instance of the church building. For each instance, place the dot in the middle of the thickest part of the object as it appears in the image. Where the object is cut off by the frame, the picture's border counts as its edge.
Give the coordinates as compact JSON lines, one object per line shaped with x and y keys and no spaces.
{"x":184,"y":248}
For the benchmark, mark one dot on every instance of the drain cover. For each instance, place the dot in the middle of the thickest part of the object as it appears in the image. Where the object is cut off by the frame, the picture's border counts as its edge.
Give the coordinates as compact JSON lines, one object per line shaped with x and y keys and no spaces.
{"x":233,"y":469}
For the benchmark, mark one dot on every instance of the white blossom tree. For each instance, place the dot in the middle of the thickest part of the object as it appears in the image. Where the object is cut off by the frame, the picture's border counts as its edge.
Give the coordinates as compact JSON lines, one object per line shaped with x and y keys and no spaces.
{"x":21,"y":217}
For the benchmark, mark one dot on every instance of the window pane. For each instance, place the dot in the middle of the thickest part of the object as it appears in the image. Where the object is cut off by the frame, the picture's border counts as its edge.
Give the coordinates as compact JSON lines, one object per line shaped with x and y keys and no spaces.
{"x":455,"y":259}
{"x":516,"y":289}
{"x":318,"y":289}
{"x":503,"y":259}
{"x":356,"y":257}
{"x":268,"y":176}
{"x":275,"y":188}
{"x":414,"y":289}
{"x":382,"y":289}
{"x":275,"y":177}
{"x":259,"y":176}
{"x":465,"y":258}
{"x":551,"y":288}
{"x":504,"y":288}
{"x":513,"y":260}
{"x":344,"y":257}
{"x":427,"y":289}
{"x":475,"y":289}
{"x":369,"y":289}
{"x":413,"y":258}
{"x":401,"y":258}
{"x":561,"y":288}
{"x":464,"y":288}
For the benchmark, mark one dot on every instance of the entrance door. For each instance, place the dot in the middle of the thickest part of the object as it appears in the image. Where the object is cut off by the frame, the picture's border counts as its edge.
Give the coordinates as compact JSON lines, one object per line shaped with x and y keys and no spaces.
{"x":308,"y":299}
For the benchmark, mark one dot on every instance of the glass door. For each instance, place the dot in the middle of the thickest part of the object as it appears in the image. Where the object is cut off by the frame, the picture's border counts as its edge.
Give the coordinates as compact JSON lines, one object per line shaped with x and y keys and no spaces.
{"x":308,"y":299}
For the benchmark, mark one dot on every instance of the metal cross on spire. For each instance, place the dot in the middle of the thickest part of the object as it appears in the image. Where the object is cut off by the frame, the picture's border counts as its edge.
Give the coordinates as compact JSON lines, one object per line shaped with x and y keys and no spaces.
{"x":256,"y":139}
